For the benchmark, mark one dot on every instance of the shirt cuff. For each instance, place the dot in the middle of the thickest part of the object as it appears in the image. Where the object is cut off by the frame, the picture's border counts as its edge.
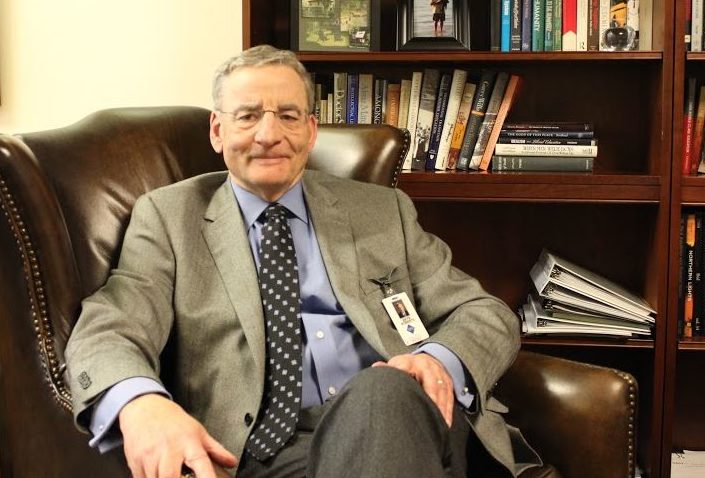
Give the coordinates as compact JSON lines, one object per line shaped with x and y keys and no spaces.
{"x":463,"y":393}
{"x":105,"y":412}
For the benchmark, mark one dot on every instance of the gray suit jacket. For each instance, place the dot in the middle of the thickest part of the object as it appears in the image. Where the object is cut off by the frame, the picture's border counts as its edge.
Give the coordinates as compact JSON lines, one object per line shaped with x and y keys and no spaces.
{"x":186,"y":273}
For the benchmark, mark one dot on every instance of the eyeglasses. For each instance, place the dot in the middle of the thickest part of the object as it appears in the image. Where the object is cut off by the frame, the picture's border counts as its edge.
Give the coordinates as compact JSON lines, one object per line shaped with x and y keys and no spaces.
{"x":247,"y":119}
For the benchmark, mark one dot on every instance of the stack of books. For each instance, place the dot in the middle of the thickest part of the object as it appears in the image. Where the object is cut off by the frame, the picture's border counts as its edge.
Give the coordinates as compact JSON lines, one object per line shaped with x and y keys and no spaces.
{"x":454,"y":117}
{"x":545,"y":146}
{"x":575,"y":25}
{"x":569,"y":300}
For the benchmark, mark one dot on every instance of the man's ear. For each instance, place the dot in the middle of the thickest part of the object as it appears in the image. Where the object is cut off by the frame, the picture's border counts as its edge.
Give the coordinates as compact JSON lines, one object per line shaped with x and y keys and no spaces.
{"x":313,"y":132}
{"x":216,"y":140}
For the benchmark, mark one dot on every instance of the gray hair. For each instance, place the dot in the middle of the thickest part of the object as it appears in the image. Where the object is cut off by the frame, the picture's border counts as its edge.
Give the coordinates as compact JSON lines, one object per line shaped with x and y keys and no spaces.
{"x":261,"y":55}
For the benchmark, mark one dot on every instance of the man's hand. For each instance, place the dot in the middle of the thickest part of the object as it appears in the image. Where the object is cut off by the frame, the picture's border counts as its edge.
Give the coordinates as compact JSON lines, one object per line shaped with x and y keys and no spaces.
{"x":432,"y":376}
{"x":159,"y":436}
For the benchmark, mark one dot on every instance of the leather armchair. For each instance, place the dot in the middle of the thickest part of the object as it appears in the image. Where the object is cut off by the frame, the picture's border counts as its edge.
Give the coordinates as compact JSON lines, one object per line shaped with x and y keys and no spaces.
{"x":66,"y":197}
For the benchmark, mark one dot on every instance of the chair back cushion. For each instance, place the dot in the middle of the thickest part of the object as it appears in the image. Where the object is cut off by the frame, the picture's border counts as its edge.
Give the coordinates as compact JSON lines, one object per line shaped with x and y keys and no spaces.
{"x":68,"y":193}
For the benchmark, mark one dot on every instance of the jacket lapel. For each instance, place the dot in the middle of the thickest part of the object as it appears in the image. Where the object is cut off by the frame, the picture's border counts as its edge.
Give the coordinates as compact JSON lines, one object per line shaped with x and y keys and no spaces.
{"x":336,"y":241}
{"x":226,"y":237}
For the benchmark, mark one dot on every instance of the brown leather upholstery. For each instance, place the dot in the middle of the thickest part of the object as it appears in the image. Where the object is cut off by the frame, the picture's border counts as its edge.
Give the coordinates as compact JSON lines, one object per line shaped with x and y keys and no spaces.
{"x":580,"y":418}
{"x":66,"y":197}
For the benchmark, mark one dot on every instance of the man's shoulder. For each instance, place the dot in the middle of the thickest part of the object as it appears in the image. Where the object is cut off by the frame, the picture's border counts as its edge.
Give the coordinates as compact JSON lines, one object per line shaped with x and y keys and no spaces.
{"x":345,"y":187}
{"x":187,"y":189}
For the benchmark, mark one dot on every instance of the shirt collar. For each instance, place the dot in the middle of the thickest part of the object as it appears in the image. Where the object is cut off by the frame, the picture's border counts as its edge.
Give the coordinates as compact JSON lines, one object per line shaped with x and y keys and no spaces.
{"x":252,"y":206}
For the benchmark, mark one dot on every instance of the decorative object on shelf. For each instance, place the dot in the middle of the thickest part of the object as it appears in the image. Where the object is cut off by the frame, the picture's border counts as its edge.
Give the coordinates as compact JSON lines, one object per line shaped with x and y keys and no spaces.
{"x":335,"y":25}
{"x":433,"y":25}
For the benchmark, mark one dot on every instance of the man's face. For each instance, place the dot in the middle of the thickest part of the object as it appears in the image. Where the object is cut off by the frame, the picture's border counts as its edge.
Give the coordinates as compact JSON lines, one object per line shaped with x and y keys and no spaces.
{"x":266,"y":132}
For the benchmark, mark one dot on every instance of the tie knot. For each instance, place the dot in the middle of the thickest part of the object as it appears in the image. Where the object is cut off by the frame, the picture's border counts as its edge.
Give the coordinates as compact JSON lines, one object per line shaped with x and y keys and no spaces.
{"x":275,"y":211}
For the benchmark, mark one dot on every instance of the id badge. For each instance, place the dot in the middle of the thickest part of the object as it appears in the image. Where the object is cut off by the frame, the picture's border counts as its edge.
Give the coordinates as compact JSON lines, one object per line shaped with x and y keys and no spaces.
{"x":405,"y":318}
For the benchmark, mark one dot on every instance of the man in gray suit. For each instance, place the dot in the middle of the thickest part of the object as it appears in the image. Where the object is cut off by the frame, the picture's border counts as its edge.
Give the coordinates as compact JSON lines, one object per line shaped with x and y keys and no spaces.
{"x":377,"y":394}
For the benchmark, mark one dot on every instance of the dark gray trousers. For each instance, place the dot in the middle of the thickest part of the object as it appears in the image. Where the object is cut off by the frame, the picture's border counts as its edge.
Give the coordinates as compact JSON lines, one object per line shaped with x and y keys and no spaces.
{"x":381,"y":425}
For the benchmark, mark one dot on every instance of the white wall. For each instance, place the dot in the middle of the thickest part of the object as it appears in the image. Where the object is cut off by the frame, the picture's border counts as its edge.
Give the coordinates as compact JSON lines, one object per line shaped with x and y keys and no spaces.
{"x":60,"y":60}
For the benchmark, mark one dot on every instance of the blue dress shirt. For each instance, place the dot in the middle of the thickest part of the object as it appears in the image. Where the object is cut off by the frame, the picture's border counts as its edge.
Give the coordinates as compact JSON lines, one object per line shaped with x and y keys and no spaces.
{"x":334,"y":351}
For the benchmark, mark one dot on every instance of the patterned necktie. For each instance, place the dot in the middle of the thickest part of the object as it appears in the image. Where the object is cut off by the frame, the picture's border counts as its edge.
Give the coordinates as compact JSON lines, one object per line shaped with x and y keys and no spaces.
{"x":279,"y":288}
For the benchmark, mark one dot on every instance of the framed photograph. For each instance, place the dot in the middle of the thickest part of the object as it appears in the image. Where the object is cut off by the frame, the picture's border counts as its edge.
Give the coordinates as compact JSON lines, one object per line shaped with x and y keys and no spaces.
{"x":335,"y":25}
{"x":433,"y":25}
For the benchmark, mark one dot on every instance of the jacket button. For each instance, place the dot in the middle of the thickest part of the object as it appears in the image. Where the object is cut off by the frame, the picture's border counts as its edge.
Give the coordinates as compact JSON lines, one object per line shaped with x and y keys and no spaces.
{"x":248,"y":419}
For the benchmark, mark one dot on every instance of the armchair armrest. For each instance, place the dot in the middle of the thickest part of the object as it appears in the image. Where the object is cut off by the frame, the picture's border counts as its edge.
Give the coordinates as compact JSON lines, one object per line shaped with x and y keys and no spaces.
{"x":559,"y":404}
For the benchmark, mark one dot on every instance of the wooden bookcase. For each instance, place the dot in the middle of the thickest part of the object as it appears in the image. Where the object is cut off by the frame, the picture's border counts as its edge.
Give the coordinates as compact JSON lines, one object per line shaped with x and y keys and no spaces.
{"x":684,"y":398}
{"x":616,"y":221}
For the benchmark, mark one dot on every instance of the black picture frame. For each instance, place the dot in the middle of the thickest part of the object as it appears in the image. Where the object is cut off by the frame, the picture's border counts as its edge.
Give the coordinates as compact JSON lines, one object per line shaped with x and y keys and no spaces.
{"x":406,"y":20}
{"x":320,"y":25}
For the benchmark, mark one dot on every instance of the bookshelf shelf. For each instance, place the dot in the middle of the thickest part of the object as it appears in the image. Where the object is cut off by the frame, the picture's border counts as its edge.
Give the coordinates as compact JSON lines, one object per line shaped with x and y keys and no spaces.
{"x":548,"y":187}
{"x":692,"y":344}
{"x":695,"y":56}
{"x":478,"y":56}
{"x":693,"y":191}
{"x":583,"y":342}
{"x":616,"y":221}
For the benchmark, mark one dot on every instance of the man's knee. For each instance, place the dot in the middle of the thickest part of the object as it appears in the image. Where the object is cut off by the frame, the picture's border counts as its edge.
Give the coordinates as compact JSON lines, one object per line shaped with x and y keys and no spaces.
{"x":385,"y":383}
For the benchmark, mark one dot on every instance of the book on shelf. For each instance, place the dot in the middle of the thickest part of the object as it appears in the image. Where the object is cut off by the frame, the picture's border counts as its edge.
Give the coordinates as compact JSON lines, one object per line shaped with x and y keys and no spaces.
{"x":352,"y":95}
{"x":393,"y":98}
{"x":581,"y":24}
{"x":510,"y":94}
{"x":696,"y":32}
{"x":455,"y":97}
{"x":500,"y":85}
{"x":687,"y":272}
{"x":569,"y":126}
{"x":541,"y":163}
{"x":477,"y":115}
{"x":527,"y":24}
{"x":557,"y":25}
{"x":570,"y":13}
{"x":330,"y":102}
{"x":317,"y":94}
{"x":365,"y":98}
{"x":549,"y":5}
{"x":593,"y":26}
{"x":633,"y":21}
{"x":505,"y":25}
{"x":604,"y":22}
{"x":456,"y":140}
{"x":646,"y":18}
{"x":697,"y":148}
{"x":379,"y":104}
{"x":689,"y":114}
{"x":424,"y":121}
{"x":438,"y":120}
{"x":504,"y":133}
{"x":404,"y":95}
{"x":412,"y":117}
{"x":552,"y":273}
{"x":537,"y":24}
{"x":698,"y":276}
{"x":340,"y":92}
{"x":506,"y":149}
{"x":515,"y":26}
{"x":543,"y":140}
{"x":495,"y":25}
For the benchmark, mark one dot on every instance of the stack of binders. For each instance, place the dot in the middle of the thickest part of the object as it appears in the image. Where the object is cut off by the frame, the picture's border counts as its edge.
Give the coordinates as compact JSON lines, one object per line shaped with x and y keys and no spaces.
{"x":569,"y":300}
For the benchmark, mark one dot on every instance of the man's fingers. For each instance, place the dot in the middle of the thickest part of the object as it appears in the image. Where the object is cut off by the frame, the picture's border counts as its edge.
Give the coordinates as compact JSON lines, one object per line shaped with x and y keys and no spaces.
{"x":440,"y":391}
{"x":218,"y":453}
{"x":201,"y":466}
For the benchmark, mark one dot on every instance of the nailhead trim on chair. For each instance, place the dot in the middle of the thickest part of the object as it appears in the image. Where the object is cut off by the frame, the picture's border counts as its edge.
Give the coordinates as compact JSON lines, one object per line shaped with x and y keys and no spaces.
{"x":632,"y":419}
{"x":631,"y":433}
{"x":35,"y":290}
{"x":405,"y":147}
